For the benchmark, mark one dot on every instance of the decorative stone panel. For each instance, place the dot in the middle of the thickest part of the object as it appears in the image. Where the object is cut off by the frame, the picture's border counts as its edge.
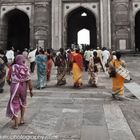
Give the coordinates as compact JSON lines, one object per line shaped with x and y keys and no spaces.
{"x":121,"y":14}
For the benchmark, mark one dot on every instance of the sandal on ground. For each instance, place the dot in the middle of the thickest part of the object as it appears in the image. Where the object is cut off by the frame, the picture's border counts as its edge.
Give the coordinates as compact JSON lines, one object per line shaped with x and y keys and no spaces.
{"x":15,"y":127}
{"x":22,"y":122}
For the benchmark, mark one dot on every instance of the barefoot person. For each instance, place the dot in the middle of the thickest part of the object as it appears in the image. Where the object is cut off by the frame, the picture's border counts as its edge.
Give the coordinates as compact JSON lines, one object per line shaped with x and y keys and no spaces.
{"x":19,"y":79}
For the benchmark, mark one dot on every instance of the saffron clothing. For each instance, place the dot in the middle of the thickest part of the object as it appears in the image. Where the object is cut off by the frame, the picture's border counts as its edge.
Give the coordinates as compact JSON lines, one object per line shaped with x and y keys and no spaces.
{"x":118,"y":81}
{"x":18,"y":75}
{"x":77,"y":69}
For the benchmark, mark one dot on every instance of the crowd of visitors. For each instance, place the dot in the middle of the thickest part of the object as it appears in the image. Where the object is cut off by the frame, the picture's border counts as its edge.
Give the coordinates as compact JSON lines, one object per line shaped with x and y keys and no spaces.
{"x":71,"y":61}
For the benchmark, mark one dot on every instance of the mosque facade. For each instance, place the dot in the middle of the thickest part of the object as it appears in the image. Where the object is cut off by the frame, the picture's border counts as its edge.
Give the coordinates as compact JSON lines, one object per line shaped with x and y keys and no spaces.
{"x":114,"y":24}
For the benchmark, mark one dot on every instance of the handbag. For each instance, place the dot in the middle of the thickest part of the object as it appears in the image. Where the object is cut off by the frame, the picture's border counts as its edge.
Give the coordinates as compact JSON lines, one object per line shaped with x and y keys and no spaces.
{"x":112,"y":72}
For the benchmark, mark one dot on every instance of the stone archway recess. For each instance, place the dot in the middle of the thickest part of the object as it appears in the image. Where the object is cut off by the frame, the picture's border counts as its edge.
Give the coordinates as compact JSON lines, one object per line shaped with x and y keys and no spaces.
{"x":93,"y":8}
{"x":137,"y":31}
{"x":16,"y":30}
{"x":14,"y":10}
{"x":76,"y":22}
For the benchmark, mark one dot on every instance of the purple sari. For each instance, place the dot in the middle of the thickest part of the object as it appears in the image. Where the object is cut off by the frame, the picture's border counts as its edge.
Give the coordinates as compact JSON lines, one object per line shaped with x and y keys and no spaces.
{"x":18,"y":75}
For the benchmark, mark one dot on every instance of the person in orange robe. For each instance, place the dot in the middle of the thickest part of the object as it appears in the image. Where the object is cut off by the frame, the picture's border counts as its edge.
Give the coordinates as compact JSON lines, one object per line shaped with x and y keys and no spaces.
{"x":77,"y":68}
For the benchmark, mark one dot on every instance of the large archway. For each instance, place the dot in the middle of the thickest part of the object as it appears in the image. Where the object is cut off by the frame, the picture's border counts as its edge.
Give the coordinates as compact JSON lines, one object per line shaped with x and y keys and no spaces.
{"x":16,"y":30}
{"x":78,"y":19}
{"x":137,"y":31}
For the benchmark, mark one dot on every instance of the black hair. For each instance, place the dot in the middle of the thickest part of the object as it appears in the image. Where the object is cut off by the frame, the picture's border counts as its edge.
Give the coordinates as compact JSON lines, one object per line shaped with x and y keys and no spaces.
{"x":1,"y":51}
{"x":95,"y":53}
{"x":118,"y":55}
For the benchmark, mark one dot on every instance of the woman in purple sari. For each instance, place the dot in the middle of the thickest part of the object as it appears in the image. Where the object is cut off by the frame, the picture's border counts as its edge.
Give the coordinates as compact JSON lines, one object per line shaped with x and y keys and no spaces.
{"x":19,"y":79}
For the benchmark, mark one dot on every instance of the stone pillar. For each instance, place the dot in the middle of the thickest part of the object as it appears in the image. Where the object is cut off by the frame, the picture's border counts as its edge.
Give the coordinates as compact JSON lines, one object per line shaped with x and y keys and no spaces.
{"x":105,"y":24}
{"x":42,"y":24}
{"x":56,"y":24}
{"x":109,"y":24}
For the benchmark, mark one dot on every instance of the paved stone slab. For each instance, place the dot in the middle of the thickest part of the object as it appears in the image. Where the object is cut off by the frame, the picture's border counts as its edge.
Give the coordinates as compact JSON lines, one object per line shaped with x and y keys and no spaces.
{"x":94,"y":133}
{"x":69,"y":124}
{"x":134,"y":88}
{"x":132,"y":115}
{"x":93,"y":115}
{"x":117,"y":125}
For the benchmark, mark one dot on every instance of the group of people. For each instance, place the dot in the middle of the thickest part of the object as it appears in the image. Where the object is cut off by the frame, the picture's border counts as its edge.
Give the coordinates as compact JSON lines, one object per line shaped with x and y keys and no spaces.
{"x":19,"y":77}
{"x":93,"y":61}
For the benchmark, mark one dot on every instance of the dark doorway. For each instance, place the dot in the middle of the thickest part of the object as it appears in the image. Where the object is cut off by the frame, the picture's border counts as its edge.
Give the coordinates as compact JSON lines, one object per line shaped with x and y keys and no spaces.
{"x":17,"y":30}
{"x":79,"y":19}
{"x":137,"y":31}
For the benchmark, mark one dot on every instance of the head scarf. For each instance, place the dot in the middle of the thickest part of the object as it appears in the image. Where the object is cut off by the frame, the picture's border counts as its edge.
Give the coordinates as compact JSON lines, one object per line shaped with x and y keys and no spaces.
{"x":20,"y":60}
{"x":20,"y":70}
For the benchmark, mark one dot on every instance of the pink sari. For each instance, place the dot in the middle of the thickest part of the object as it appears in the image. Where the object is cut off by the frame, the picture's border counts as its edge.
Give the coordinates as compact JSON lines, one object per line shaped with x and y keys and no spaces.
{"x":18,"y":75}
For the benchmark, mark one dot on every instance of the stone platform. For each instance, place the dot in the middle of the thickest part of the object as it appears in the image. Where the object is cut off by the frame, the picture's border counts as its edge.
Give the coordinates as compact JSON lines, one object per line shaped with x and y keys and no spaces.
{"x":66,"y":113}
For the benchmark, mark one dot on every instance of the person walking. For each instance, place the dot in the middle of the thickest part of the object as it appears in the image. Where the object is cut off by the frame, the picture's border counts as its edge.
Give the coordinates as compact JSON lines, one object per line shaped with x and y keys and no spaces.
{"x":77,"y":68}
{"x":87,"y":55}
{"x":19,"y":80}
{"x":94,"y":68}
{"x":41,"y":60}
{"x":10,"y":55}
{"x":118,"y":79}
{"x":31,"y":58}
{"x":3,"y":64}
{"x":49,"y":64}
{"x":60,"y":62}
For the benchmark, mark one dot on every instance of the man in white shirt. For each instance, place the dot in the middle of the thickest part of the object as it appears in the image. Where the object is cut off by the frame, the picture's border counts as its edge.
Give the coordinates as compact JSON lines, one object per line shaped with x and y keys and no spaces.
{"x":87,"y":55}
{"x":10,"y":56}
{"x":31,"y":58}
{"x":105,"y":57}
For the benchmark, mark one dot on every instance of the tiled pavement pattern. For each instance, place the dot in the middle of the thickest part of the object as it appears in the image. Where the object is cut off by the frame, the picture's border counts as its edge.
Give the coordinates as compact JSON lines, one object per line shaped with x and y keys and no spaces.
{"x":65,"y":113}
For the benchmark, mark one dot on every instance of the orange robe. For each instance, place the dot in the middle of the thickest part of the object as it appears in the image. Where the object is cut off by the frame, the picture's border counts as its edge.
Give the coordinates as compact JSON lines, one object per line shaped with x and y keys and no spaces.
{"x":118,"y":81}
{"x":77,"y":69}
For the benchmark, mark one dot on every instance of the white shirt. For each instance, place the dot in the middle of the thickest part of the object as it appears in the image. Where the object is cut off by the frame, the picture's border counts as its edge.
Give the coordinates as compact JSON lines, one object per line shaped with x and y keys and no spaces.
{"x":10,"y":55}
{"x":31,"y":55}
{"x":105,"y":55}
{"x":87,"y":55}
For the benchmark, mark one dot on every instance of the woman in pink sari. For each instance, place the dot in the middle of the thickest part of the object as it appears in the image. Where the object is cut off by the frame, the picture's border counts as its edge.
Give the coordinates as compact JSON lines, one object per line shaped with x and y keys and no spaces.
{"x":19,"y":79}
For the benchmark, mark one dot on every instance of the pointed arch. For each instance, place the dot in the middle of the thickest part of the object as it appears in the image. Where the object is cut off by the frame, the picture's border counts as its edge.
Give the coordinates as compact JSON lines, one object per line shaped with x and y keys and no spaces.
{"x":15,"y":27}
{"x":75,"y":22}
{"x":137,"y":31}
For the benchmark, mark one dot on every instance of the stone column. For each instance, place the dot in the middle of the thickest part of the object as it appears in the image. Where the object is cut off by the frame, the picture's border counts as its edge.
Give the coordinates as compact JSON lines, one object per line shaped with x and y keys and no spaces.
{"x":42,"y":24}
{"x":56,"y":24}
{"x":105,"y":23}
{"x":109,"y":25}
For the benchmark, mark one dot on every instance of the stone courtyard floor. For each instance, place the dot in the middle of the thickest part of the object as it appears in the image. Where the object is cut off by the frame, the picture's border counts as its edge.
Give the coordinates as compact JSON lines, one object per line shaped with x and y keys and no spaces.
{"x":65,"y":113}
